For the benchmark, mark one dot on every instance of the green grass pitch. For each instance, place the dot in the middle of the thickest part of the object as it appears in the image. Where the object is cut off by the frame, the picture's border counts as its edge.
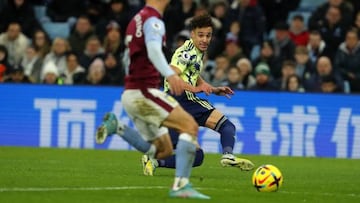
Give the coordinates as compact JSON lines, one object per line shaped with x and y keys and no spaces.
{"x":69,"y":175}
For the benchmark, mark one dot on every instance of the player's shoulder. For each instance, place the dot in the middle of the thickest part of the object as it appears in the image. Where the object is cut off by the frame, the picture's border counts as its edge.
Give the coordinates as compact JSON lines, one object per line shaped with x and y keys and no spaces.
{"x":185,"y":53}
{"x":154,"y":23}
{"x":188,"y":46}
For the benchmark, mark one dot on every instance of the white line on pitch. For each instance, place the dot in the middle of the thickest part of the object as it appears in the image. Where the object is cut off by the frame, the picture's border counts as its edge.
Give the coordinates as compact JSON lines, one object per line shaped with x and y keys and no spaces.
{"x":41,"y":189}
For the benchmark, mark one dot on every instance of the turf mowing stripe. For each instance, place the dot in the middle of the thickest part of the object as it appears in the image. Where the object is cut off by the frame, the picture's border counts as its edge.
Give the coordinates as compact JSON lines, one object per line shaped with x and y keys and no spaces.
{"x":39,"y":189}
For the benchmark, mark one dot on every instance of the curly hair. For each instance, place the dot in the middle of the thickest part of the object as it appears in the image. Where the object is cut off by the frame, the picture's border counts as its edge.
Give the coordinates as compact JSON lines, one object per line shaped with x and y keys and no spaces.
{"x":201,"y":21}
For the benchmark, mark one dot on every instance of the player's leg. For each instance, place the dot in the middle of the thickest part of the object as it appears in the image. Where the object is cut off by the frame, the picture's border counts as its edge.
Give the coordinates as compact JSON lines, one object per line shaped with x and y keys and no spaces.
{"x":155,"y":108}
{"x":111,"y":125}
{"x":185,"y":124}
{"x":164,"y":150}
{"x":170,"y":161}
{"x":218,"y":122}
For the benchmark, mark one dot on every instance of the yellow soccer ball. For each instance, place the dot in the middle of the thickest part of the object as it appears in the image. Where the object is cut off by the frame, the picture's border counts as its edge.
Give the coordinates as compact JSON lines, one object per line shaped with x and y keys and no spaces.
{"x":267,"y":178}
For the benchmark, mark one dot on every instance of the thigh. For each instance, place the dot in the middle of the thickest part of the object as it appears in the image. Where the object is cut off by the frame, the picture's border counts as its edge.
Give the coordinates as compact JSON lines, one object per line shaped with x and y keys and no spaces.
{"x":215,"y":119}
{"x":148,"y":109}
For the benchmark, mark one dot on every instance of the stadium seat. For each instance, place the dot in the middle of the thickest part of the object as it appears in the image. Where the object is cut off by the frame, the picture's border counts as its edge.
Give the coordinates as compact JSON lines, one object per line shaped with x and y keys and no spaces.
{"x":40,"y":12}
{"x":310,"y":5}
{"x":305,"y":14}
{"x":56,"y":29}
{"x":255,"y":52}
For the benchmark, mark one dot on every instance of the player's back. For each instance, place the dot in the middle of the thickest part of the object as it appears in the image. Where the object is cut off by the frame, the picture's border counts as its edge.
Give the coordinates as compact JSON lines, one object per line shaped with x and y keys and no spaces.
{"x":142,"y":73}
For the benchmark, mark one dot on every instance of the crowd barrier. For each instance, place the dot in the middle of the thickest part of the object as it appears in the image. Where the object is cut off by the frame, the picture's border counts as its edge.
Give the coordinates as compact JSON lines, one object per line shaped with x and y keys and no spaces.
{"x":279,"y":123}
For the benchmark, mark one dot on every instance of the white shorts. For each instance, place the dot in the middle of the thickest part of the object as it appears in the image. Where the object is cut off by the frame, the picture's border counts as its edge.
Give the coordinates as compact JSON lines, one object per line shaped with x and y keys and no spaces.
{"x":148,"y":108}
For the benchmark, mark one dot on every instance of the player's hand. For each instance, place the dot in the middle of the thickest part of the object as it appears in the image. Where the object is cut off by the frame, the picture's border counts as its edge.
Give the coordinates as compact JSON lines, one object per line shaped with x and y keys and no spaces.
{"x":176,"y":84}
{"x":205,"y":87}
{"x":223,"y":91}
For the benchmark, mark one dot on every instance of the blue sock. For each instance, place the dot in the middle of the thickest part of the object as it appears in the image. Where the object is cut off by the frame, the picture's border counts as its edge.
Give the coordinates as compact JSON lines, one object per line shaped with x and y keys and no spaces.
{"x":227,"y":136}
{"x":170,"y":161}
{"x":185,"y":155}
{"x":134,"y":139}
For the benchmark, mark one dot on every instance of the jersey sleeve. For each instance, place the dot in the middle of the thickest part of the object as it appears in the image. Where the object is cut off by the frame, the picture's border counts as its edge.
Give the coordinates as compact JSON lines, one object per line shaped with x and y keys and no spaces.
{"x":154,"y":30}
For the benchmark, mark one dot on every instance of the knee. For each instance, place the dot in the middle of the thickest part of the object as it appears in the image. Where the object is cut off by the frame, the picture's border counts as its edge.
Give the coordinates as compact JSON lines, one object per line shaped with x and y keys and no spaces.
{"x":191,"y":127}
{"x":164,"y":152}
{"x":199,"y":157}
{"x":228,"y":128}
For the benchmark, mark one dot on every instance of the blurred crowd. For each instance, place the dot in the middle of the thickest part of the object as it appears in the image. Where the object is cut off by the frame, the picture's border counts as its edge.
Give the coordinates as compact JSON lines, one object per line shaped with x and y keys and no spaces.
{"x":257,"y":45}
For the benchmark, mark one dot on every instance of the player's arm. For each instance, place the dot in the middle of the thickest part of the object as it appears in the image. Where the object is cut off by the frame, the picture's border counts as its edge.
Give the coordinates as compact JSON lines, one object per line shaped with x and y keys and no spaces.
{"x":154,"y":30}
{"x":187,"y":86}
{"x":208,"y":89}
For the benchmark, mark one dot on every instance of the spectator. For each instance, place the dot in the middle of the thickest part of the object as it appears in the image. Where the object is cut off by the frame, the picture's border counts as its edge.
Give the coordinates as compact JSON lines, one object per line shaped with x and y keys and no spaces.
{"x":118,"y":11}
{"x":113,"y":42}
{"x":319,"y":16}
{"x":347,"y":60}
{"x":93,"y":49}
{"x":323,"y":68}
{"x":17,"y":75}
{"x":19,"y":11}
{"x":4,"y":64}
{"x":303,"y":68}
{"x":72,"y":67}
{"x":333,"y":30}
{"x":218,"y":74}
{"x":233,"y":51}
{"x":57,"y":54}
{"x":284,"y":48}
{"x":51,"y":74}
{"x":293,"y":84}
{"x":329,"y":85}
{"x":180,"y":39}
{"x":41,"y":43}
{"x":175,"y":16}
{"x":234,"y":78}
{"x":277,"y":10}
{"x":2,"y":72}
{"x":95,"y":10}
{"x":317,"y":47}
{"x":83,"y":30}
{"x":62,"y":10}
{"x":253,"y":23}
{"x":357,"y":20}
{"x":219,"y":10}
{"x":298,"y":33}
{"x":114,"y":72}
{"x":15,"y":42}
{"x":267,"y":56}
{"x":95,"y":76}
{"x":245,"y":67}
{"x":32,"y":64}
{"x":234,"y":31}
{"x":287,"y":69}
{"x":263,"y":79}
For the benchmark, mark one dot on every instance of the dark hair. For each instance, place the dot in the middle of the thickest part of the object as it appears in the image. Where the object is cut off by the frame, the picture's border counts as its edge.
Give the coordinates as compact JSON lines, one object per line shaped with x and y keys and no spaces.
{"x":315,"y":32}
{"x":289,"y":63}
{"x":353,"y":30}
{"x":293,"y":76}
{"x":201,"y":21}
{"x":298,"y":17}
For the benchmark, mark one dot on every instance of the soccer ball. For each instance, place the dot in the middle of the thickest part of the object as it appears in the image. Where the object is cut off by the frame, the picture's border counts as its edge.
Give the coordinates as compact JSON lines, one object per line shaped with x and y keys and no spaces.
{"x":267,"y":178}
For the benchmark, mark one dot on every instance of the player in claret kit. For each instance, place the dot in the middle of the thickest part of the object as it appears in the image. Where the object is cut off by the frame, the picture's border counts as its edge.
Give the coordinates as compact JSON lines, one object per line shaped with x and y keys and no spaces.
{"x":154,"y":111}
{"x":187,"y":62}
